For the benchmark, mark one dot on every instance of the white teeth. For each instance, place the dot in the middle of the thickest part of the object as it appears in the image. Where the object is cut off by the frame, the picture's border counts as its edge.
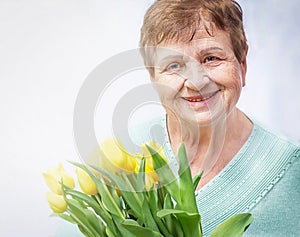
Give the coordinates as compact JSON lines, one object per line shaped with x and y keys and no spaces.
{"x":198,"y":100}
{"x":206,"y":98}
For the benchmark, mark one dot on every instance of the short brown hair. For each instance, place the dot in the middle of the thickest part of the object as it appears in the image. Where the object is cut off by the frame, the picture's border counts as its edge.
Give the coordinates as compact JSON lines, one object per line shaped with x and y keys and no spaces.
{"x":178,"y":20}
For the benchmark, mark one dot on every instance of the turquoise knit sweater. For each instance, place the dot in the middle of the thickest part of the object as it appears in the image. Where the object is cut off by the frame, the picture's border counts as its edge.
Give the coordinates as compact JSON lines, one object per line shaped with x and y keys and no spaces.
{"x":263,"y":178}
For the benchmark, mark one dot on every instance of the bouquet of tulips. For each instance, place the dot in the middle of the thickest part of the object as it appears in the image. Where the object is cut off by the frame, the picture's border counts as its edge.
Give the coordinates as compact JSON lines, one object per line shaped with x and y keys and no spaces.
{"x":133,"y":196}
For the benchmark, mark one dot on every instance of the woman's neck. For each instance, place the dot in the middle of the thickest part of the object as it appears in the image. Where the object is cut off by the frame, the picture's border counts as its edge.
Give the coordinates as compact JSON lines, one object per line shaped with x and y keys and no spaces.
{"x":210,"y":148}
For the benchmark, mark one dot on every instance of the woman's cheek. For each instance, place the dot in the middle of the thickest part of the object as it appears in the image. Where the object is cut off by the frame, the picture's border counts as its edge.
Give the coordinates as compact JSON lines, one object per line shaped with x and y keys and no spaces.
{"x":223,"y":75}
{"x":169,"y":84}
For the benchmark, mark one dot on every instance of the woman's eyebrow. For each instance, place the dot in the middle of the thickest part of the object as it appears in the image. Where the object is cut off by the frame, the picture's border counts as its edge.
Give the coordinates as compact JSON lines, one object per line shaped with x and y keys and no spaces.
{"x":170,"y":57}
{"x":204,"y":51}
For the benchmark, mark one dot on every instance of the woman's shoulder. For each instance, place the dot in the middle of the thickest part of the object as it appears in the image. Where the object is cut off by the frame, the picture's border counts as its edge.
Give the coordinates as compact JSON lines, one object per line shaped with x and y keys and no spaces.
{"x":268,"y":138}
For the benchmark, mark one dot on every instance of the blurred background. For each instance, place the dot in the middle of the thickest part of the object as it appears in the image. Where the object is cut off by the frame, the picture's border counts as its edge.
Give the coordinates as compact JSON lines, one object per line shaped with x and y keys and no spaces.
{"x":47,"y":49}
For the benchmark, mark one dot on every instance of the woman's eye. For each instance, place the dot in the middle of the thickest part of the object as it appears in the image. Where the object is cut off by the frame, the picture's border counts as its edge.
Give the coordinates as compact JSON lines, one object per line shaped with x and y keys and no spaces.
{"x":210,"y":59}
{"x":174,"y":67}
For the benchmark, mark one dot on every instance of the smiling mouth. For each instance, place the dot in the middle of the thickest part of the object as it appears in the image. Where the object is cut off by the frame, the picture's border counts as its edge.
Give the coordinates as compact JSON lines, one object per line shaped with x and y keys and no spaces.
{"x":201,"y":98}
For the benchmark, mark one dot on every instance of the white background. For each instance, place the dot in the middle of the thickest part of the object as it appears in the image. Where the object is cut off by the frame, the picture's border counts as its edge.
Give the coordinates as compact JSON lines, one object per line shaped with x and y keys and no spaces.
{"x":47,"y":49}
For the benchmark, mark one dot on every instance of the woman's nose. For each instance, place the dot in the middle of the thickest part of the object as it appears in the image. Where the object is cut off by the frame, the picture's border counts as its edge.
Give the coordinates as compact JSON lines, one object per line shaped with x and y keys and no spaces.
{"x":195,"y":76}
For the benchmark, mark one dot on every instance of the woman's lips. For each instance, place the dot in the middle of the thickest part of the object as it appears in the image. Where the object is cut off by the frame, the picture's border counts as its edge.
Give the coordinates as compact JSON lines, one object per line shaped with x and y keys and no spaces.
{"x":201,"y":98}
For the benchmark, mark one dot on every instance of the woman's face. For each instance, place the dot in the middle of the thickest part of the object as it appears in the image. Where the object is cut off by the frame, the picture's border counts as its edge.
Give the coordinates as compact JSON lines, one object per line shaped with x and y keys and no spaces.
{"x":199,"y":81}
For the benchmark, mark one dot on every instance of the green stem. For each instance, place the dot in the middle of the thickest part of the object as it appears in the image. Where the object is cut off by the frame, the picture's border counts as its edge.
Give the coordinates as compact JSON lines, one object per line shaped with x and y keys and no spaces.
{"x":97,"y":198}
{"x":80,"y":222}
{"x":108,"y":219}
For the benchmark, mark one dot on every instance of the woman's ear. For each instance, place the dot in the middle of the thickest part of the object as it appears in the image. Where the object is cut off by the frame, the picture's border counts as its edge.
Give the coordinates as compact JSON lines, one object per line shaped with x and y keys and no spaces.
{"x":244,"y":65}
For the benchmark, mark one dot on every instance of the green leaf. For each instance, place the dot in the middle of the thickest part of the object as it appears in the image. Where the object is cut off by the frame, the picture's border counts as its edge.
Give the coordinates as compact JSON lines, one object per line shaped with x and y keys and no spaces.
{"x":97,"y":207}
{"x":108,"y":219}
{"x":161,"y":193}
{"x":187,"y":194}
{"x":133,"y":198}
{"x":125,"y":232}
{"x":110,"y":233}
{"x":190,"y":222}
{"x":138,"y":230}
{"x":165,"y":212}
{"x":196,"y":180}
{"x":84,"y":231}
{"x":152,"y":198}
{"x":235,"y":226}
{"x":166,"y":176}
{"x":155,"y":206}
{"x":171,"y":221}
{"x":141,"y":176}
{"x":108,"y":200}
{"x":80,"y":216}
{"x":147,"y":217}
{"x":114,"y":194}
{"x":95,"y":222}
{"x":90,"y":202}
{"x":129,"y":194}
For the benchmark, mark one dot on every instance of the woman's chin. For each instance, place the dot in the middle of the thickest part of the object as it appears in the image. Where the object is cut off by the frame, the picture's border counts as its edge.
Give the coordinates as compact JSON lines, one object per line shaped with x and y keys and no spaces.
{"x":203,"y":118}
{"x":196,"y":116}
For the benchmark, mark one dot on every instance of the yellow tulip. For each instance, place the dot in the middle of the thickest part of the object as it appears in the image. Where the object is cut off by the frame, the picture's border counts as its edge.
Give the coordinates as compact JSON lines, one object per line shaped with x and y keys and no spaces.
{"x":149,"y":169}
{"x":115,"y":158}
{"x":56,"y":202}
{"x":86,"y":183}
{"x":54,"y":177}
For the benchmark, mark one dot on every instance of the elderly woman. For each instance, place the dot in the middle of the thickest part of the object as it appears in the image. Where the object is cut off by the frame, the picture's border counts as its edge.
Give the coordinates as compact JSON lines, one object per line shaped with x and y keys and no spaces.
{"x":196,"y":55}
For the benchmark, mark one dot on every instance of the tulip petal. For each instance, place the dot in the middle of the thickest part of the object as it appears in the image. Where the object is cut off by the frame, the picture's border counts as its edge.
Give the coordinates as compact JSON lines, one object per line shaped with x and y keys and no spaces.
{"x":56,"y":202}
{"x":54,"y":177}
{"x":115,"y":158}
{"x":86,"y":183}
{"x":52,"y":183}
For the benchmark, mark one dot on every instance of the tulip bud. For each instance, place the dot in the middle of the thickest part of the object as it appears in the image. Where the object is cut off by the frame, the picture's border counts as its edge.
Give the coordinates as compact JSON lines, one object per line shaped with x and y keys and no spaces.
{"x":54,"y":177}
{"x":86,"y":183}
{"x":56,"y":202}
{"x":115,"y":158}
